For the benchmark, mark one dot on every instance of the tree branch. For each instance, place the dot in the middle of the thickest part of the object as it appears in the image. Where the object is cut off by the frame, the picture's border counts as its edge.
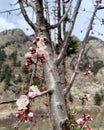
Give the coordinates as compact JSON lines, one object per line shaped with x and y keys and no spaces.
{"x":42,"y":93}
{"x":33,"y":26}
{"x":47,"y":11}
{"x":61,"y":20}
{"x":65,"y":44}
{"x":8,"y":102}
{"x":11,"y":10}
{"x":31,"y":4}
{"x":100,"y":7}
{"x":81,"y":53}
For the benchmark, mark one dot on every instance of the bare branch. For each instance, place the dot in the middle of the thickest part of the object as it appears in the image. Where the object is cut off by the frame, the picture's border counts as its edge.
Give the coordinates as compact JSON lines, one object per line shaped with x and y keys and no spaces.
{"x":61,"y":20}
{"x":81,"y":53}
{"x":100,"y":7}
{"x":8,"y":102}
{"x":12,"y":10}
{"x":33,"y":72}
{"x":31,"y":4}
{"x":34,"y":27}
{"x":47,"y":11}
{"x":65,"y":44}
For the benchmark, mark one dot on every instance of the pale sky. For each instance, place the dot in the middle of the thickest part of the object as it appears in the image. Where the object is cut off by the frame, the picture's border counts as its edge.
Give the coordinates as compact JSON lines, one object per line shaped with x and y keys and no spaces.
{"x":15,"y":20}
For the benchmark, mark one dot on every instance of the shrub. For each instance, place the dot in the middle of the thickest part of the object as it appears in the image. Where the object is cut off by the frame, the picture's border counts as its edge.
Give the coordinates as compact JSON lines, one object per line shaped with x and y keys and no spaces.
{"x":99,"y":97}
{"x":17,"y":64}
{"x":25,"y":70}
{"x":2,"y":55}
{"x":2,"y":75}
{"x":7,"y":72}
{"x":19,"y":78}
{"x":73,"y":45}
{"x":70,"y":97}
{"x":13,"y":56}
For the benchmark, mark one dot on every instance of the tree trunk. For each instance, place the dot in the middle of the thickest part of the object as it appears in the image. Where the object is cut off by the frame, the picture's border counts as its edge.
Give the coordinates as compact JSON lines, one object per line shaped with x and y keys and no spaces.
{"x":57,"y":104}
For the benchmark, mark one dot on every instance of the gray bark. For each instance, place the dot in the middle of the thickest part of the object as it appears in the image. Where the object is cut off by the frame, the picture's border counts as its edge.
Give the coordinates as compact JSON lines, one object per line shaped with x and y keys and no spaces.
{"x":56,"y":99}
{"x":57,"y":105}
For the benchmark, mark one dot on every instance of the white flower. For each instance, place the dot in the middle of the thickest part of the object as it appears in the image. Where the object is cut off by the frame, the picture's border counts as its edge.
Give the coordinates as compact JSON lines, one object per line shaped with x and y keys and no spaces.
{"x":22,"y":102}
{"x":34,"y":91}
{"x":28,"y":55}
{"x":40,"y":51}
{"x":40,"y":44}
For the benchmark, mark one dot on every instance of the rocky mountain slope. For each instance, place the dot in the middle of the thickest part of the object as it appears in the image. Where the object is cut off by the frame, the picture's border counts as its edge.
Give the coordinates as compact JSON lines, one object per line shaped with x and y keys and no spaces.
{"x":14,"y":77}
{"x":92,"y":84}
{"x":13,"y":74}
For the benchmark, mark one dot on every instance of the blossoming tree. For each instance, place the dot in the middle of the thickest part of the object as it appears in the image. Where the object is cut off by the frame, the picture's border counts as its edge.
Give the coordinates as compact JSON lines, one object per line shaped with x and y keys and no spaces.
{"x":44,"y":51}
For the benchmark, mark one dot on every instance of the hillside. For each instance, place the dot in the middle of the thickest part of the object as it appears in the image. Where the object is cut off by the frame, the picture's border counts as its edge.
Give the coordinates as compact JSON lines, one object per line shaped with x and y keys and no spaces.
{"x":14,"y":76}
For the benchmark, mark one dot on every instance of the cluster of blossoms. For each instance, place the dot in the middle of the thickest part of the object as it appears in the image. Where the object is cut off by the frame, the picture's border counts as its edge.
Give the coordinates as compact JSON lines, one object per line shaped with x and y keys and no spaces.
{"x":23,"y":103}
{"x":39,"y":51}
{"x":81,"y":122}
{"x":88,"y":71}
{"x":24,"y":111}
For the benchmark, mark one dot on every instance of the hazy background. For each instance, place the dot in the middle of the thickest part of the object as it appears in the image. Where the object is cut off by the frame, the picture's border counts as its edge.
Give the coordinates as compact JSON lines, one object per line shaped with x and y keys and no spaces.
{"x":12,"y":20}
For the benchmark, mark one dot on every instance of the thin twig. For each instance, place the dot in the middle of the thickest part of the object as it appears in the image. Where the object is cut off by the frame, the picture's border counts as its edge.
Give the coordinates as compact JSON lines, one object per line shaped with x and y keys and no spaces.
{"x":80,"y":54}
{"x":11,"y":10}
{"x":65,"y":44}
{"x":61,"y":20}
{"x":34,"y":27}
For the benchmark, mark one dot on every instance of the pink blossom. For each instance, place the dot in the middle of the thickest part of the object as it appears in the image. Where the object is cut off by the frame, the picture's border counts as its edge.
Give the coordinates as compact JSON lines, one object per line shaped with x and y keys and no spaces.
{"x":28,"y":63}
{"x":22,"y":108}
{"x":87,"y":128}
{"x":31,"y":94}
{"x":87,"y":73}
{"x":32,"y":50}
{"x":37,"y":38}
{"x":70,"y":48}
{"x":30,"y":114}
{"x":26,"y":119}
{"x":88,"y":118}
{"x":88,"y":66}
{"x":45,"y":38}
{"x":73,"y":113}
{"x":80,"y":122}
{"x":86,"y":96}
{"x":66,"y":100}
{"x":43,"y":60}
{"x":19,"y":114}
{"x":34,"y":42}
